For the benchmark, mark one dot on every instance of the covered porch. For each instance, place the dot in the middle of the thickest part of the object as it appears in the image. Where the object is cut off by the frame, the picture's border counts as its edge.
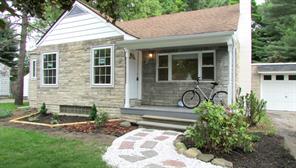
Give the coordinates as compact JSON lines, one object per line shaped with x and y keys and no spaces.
{"x":160,"y":70}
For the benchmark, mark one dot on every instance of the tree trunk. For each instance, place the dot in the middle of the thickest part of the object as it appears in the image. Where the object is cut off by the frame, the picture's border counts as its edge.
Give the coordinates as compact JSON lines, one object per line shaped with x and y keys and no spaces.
{"x":20,"y":72}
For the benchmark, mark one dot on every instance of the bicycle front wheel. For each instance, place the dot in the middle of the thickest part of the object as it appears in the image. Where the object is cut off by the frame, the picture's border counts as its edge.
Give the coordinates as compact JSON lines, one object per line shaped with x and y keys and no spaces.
{"x":220,"y":98}
{"x":191,"y":99}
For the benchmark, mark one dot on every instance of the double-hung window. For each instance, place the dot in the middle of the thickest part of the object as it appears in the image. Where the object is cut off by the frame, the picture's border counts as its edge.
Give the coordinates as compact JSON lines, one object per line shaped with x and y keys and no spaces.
{"x":49,"y":69}
{"x":102,"y":66}
{"x":186,"y":66}
{"x":33,"y":69}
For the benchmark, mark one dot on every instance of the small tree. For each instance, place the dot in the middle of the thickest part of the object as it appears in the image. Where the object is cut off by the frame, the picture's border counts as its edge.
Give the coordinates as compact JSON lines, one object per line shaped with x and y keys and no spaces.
{"x":93,"y":112}
{"x":43,"y":109}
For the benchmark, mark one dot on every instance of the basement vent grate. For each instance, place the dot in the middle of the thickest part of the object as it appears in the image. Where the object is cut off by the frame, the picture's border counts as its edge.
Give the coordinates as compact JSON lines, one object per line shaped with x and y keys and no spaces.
{"x":75,"y":109}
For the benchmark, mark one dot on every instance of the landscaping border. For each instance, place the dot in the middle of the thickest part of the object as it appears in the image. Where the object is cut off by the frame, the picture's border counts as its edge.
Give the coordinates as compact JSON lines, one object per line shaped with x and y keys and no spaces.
{"x":17,"y":120}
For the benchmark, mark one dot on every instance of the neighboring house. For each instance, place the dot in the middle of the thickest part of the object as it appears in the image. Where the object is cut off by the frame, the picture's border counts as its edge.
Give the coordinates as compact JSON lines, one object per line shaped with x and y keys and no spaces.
{"x":275,"y":83}
{"x":26,"y":86}
{"x":4,"y":80}
{"x":84,"y":60}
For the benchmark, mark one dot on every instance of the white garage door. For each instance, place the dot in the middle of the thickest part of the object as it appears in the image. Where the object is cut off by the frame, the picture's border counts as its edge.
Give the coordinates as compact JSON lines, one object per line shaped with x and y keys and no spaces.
{"x":279,"y":90}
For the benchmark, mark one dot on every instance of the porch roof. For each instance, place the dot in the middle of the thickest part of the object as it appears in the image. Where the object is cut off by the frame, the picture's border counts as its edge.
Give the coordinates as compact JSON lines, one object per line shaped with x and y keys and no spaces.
{"x":174,"y":41}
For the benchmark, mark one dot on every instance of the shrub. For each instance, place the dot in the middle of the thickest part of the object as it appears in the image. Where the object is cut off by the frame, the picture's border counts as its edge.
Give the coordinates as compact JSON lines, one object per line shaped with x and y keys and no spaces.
{"x":220,"y":129}
{"x":101,"y":119}
{"x":5,"y":113}
{"x":93,"y":112}
{"x":55,"y":118}
{"x":254,"y":108}
{"x":43,"y":109}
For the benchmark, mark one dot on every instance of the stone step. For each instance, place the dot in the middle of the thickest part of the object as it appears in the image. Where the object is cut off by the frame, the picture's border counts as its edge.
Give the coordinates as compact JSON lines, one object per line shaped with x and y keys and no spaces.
{"x":153,"y":117}
{"x":151,"y":124}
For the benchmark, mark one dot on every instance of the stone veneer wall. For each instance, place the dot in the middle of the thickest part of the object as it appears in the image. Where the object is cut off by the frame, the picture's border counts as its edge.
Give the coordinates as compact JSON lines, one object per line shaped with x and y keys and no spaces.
{"x":256,"y":81}
{"x":168,"y":93}
{"x":74,"y":85}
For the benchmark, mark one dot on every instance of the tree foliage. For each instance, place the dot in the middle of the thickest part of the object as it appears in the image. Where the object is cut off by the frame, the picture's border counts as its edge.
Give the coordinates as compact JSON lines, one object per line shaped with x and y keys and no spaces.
{"x":8,"y":45}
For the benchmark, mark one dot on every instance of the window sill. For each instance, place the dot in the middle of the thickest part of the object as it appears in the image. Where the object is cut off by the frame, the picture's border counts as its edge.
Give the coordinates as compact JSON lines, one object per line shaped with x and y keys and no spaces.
{"x":49,"y":86}
{"x":102,"y":86}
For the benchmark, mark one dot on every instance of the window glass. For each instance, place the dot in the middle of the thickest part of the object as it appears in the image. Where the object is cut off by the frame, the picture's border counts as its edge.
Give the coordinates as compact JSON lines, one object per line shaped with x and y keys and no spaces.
{"x":163,"y":61}
{"x":267,"y":77}
{"x":163,"y":68}
{"x":208,"y":58}
{"x":279,"y":77}
{"x":292,"y":77}
{"x":184,"y":67}
{"x":49,"y":69}
{"x":208,"y":73}
{"x":102,"y":66}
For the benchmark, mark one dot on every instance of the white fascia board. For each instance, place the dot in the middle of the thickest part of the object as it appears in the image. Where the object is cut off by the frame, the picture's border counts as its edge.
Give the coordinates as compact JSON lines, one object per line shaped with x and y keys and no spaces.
{"x":170,"y":41}
{"x":276,"y":72}
{"x":279,"y":63}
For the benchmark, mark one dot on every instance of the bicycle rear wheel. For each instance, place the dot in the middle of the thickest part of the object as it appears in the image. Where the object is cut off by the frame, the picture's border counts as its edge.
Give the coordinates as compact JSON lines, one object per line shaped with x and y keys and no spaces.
{"x":190,"y":99}
{"x":220,"y":98}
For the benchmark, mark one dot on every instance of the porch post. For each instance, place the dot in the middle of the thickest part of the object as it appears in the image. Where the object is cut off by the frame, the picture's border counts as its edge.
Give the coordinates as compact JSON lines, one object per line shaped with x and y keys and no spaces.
{"x":230,"y":72}
{"x":140,"y":71}
{"x":126,"y":100}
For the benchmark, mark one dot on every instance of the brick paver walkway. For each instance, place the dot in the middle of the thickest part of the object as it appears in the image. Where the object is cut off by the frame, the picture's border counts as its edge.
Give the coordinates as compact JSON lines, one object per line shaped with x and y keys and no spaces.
{"x":149,"y":148}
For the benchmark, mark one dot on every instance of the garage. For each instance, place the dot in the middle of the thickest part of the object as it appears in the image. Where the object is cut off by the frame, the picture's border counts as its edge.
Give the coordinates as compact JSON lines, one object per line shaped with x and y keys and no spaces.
{"x":278,"y":85}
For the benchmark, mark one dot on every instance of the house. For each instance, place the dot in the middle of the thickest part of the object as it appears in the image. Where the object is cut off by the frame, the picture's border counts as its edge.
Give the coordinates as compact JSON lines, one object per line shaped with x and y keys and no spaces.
{"x":142,"y":66}
{"x":4,"y":80}
{"x":26,"y":86}
{"x":275,"y":83}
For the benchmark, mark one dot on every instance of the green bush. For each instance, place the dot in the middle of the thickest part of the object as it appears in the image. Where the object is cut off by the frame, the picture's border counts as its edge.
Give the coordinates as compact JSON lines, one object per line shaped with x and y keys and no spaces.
{"x":93,"y":112}
{"x":43,"y":109}
{"x":55,"y":118}
{"x":5,"y":113}
{"x":101,"y":119}
{"x":220,"y":129}
{"x":254,"y":108}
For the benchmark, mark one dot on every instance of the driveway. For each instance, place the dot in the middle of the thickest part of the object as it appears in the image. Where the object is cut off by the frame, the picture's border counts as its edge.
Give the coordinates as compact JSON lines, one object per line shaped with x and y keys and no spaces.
{"x":286,"y":125}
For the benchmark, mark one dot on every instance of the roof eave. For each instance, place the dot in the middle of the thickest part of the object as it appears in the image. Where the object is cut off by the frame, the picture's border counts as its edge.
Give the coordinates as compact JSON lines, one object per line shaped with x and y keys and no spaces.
{"x":183,"y":40}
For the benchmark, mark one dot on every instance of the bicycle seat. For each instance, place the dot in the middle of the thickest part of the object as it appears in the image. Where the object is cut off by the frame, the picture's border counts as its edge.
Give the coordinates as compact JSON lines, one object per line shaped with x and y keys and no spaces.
{"x":214,"y":83}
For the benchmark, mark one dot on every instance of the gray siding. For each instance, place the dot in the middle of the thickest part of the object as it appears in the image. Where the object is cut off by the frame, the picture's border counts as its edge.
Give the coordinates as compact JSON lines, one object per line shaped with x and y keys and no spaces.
{"x":168,"y":93}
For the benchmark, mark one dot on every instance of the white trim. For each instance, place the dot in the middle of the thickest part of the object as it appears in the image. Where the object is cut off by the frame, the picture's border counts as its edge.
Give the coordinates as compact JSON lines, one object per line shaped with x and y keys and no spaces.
{"x":32,"y":71}
{"x":127,"y":97}
{"x":277,"y":72}
{"x":278,"y":63}
{"x":200,"y":66}
{"x":140,"y":71}
{"x":42,"y":84}
{"x":112,"y":52}
{"x":230,"y":72}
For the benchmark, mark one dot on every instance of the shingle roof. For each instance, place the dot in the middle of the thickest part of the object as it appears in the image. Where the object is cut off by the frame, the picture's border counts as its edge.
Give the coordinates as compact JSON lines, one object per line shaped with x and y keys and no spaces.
{"x":219,"y":19}
{"x":277,"y":67}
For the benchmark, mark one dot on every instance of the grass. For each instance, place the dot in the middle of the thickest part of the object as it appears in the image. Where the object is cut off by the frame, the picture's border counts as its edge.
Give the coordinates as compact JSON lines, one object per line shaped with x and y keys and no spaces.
{"x":6,"y":109}
{"x":265,"y":125}
{"x":28,"y":149}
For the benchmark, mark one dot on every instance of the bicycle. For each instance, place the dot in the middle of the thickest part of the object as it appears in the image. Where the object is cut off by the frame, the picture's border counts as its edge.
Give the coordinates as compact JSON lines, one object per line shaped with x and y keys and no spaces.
{"x":191,"y":98}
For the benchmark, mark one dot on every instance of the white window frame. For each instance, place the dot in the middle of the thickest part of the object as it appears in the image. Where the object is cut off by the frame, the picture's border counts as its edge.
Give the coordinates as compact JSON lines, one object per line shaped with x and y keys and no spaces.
{"x":32,"y":71}
{"x":111,"y":64}
{"x":42,"y":68}
{"x":180,"y":53}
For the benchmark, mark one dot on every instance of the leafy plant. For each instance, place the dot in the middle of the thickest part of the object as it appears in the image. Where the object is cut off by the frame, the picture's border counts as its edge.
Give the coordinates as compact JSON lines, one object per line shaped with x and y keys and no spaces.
{"x":101,"y":119}
{"x":5,"y":113}
{"x":55,"y":118}
{"x":220,"y":129}
{"x":33,"y":118}
{"x":254,"y":108}
{"x":43,"y":109}
{"x":93,"y":112}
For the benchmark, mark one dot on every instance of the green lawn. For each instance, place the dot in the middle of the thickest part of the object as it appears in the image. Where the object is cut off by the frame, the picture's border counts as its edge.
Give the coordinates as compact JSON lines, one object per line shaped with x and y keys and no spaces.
{"x":26,"y":149}
{"x":6,"y":109}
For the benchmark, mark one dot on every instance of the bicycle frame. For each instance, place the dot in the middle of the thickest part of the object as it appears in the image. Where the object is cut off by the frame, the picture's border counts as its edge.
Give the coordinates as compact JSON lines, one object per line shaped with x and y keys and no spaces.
{"x":203,"y":93}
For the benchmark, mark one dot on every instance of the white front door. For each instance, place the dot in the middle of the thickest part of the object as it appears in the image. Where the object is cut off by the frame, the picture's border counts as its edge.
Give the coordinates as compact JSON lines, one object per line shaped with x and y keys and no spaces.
{"x":279,"y":90}
{"x":133,"y":76}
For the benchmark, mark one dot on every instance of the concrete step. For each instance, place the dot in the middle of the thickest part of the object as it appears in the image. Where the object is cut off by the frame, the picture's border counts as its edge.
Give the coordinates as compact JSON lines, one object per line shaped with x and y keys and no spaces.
{"x":168,"y":118}
{"x":150,"y":124}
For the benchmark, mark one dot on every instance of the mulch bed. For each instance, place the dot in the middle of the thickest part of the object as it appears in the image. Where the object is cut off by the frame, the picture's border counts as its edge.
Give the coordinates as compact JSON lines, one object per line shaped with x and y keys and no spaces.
{"x":46,"y":119}
{"x":110,"y":128}
{"x":269,"y":153}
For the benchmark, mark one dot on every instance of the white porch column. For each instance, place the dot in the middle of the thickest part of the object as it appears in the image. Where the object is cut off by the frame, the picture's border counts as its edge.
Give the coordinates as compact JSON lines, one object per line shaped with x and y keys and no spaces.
{"x":126,"y":100}
{"x":140,"y":71}
{"x":231,"y":72}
